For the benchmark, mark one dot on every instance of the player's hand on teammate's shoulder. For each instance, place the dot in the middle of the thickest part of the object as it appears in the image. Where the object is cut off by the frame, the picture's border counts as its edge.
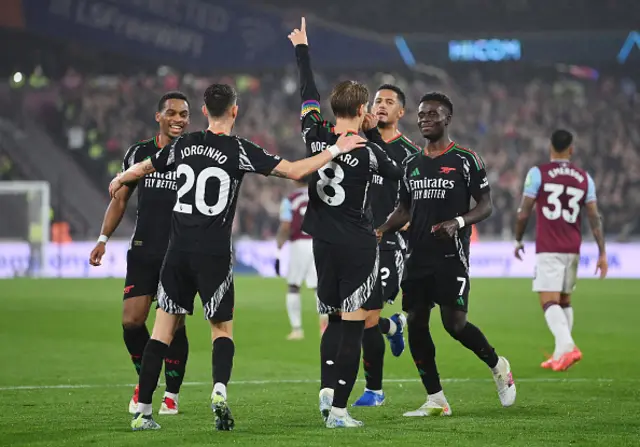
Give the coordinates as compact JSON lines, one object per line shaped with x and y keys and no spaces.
{"x":95,"y":258}
{"x":445,"y":229}
{"x":519,"y":250}
{"x":299,"y":36}
{"x":602,"y":265}
{"x":379,"y":234}
{"x":370,"y":121}
{"x":348,"y":143}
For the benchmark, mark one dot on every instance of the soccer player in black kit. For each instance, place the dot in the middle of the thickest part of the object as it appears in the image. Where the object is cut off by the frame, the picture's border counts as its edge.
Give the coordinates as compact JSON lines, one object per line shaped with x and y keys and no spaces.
{"x":435,"y":195}
{"x":388,"y":107}
{"x":156,"y":197}
{"x":210,"y":166}
{"x":340,"y":221}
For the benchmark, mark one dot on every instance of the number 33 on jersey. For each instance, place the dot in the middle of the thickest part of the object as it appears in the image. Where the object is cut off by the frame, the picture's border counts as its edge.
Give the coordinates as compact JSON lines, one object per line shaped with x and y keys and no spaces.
{"x":561,"y":190}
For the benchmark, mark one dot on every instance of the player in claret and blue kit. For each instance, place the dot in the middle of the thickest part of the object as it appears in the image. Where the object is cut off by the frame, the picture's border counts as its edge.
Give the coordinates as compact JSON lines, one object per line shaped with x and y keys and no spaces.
{"x":560,"y":190}
{"x":302,"y":266}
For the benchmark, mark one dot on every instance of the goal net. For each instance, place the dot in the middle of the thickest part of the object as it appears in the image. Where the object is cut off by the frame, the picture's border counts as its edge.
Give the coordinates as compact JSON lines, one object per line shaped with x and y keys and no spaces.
{"x":24,"y":228}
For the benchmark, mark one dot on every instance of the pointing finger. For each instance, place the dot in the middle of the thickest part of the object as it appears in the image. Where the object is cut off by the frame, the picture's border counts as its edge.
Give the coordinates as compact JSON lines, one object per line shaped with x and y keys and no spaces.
{"x":303,"y":24}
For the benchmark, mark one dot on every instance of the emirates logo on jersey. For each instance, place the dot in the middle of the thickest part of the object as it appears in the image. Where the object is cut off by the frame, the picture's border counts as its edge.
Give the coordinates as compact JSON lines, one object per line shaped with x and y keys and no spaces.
{"x":431,"y":188}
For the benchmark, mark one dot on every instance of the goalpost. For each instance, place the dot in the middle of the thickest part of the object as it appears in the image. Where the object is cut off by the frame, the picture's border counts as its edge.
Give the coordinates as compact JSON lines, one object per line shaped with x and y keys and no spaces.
{"x":25,"y":210}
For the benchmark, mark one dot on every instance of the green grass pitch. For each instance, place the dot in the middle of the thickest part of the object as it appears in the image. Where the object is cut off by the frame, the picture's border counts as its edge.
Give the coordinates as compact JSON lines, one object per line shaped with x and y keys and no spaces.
{"x":67,"y":332}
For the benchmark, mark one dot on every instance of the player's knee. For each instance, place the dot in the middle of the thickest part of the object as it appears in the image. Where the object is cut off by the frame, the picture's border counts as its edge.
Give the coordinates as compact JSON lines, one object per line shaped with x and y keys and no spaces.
{"x":181,"y":322}
{"x":222,"y":329}
{"x":294,"y":289}
{"x":565,"y":300}
{"x":454,"y":326}
{"x":133,"y":320}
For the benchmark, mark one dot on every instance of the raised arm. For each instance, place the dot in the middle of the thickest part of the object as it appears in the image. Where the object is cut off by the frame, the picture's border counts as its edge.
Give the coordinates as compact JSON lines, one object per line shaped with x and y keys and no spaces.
{"x":308,"y":90}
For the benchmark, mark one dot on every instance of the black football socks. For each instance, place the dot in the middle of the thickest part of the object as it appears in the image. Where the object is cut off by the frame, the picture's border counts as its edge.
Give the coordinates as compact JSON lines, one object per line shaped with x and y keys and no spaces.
{"x":135,"y":338}
{"x":175,"y":362}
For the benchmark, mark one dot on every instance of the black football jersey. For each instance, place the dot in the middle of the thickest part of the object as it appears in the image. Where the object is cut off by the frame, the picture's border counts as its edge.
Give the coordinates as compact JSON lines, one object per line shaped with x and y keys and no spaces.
{"x":339,"y":210}
{"x":209,"y":169}
{"x":436,"y":190}
{"x":384,"y":192}
{"x":156,"y":197}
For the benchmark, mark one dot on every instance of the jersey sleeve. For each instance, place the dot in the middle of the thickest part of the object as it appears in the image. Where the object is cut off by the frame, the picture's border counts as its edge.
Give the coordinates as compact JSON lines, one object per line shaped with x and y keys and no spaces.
{"x":129,"y":160}
{"x":130,"y":157}
{"x":532,"y":183}
{"x":479,"y":182}
{"x":286,"y":213}
{"x":310,"y":114}
{"x":165,"y":159}
{"x":253,"y":158}
{"x":382,"y":164}
{"x":591,"y":190}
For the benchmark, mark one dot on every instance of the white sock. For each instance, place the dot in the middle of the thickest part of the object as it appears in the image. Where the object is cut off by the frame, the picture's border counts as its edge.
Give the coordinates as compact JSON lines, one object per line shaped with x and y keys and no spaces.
{"x":393,"y":327}
{"x":145,"y":409}
{"x":437,"y":397}
{"x":171,"y":396}
{"x":220,"y":388}
{"x":557,"y":322}
{"x":339,"y":412}
{"x":294,"y":310}
{"x":568,"y":312}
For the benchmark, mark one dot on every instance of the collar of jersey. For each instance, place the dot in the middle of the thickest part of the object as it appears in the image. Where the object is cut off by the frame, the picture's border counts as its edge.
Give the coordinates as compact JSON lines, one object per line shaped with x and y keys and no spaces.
{"x":450,"y":147}
{"x":397,"y":137}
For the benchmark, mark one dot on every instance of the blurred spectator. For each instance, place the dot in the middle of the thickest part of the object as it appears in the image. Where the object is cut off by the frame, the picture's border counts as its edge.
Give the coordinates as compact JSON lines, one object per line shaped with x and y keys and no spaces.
{"x":506,"y":118}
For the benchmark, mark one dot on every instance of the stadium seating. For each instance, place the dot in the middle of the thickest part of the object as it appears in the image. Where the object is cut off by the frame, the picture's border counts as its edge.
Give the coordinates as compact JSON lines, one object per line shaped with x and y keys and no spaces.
{"x":507,"y":119}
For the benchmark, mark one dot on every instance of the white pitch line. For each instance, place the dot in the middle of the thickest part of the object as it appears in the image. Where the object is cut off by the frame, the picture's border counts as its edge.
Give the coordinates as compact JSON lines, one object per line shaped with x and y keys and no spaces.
{"x":302,"y":381}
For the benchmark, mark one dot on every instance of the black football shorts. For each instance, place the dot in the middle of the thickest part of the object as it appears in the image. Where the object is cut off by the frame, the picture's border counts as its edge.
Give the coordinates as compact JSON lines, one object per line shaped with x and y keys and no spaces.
{"x":347,"y":277}
{"x":184,"y":274}
{"x":447,"y":285}
{"x":143,"y":274}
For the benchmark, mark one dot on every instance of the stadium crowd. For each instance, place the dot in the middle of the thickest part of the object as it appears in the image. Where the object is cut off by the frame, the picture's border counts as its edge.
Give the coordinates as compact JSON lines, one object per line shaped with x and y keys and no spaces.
{"x":506,"y":117}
